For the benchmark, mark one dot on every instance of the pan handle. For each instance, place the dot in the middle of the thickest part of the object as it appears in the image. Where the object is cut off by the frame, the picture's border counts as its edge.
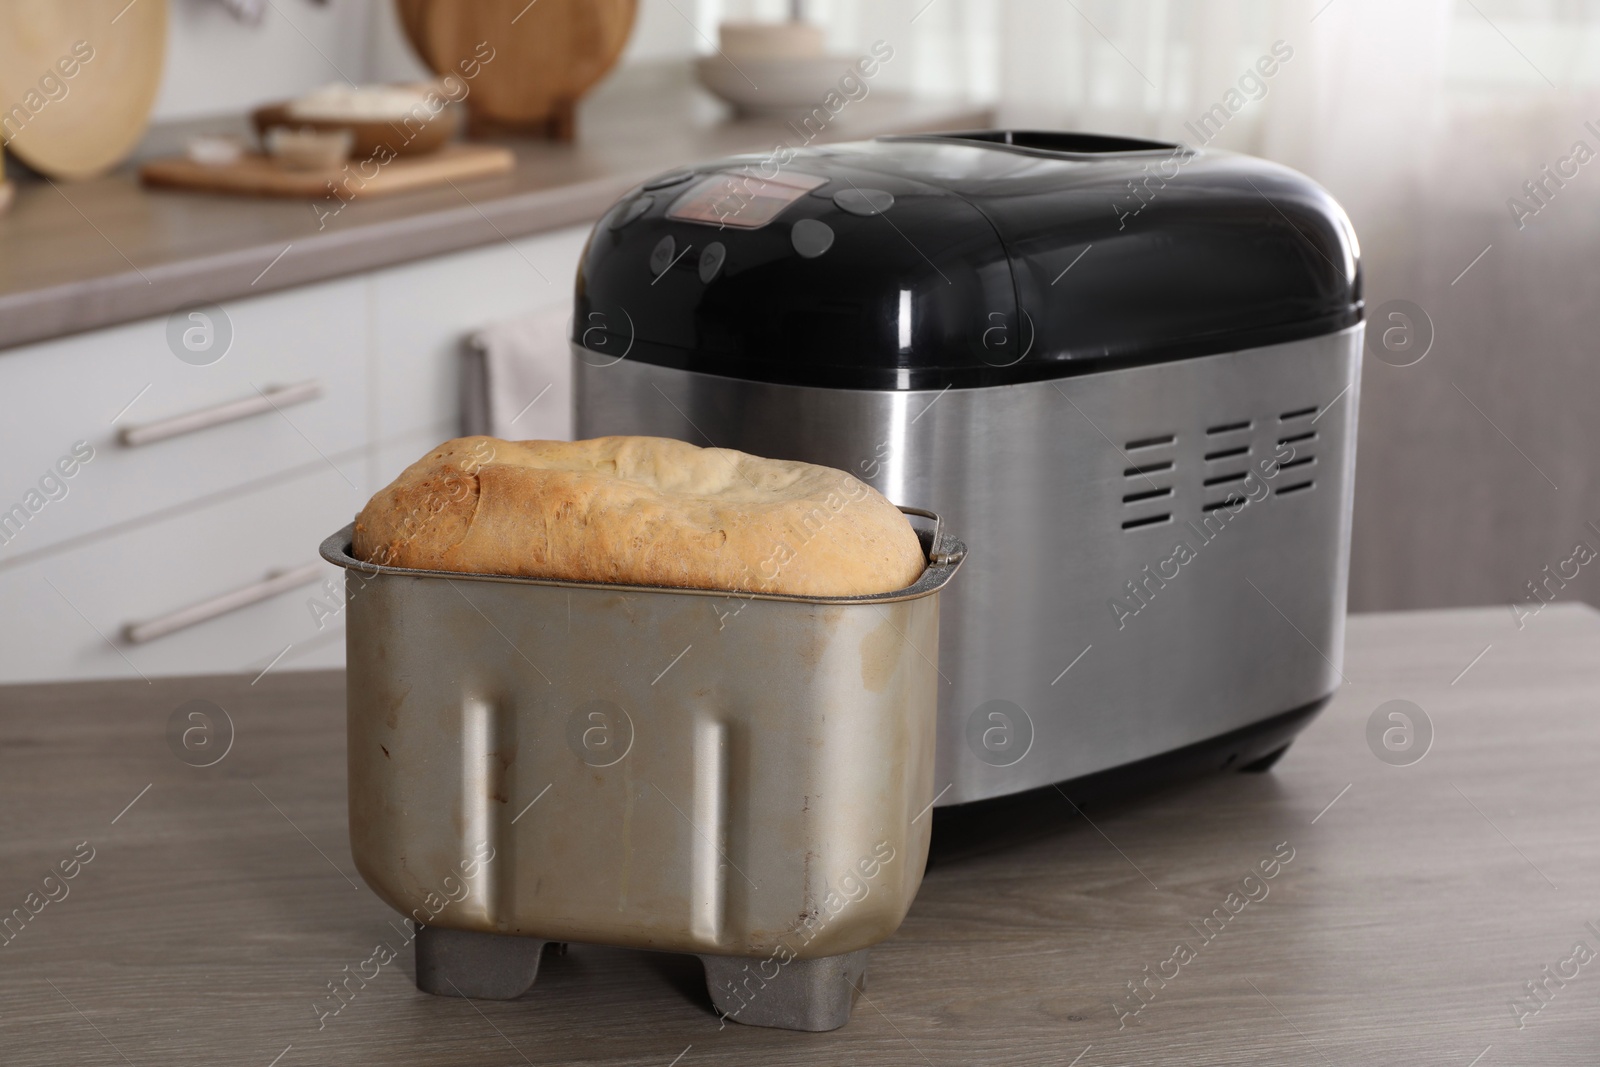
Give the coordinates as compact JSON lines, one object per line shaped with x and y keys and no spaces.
{"x":936,"y":555}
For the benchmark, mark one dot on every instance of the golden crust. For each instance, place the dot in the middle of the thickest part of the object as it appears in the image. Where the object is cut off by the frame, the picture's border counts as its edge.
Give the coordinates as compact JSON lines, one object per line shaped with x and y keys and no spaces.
{"x":639,"y":511}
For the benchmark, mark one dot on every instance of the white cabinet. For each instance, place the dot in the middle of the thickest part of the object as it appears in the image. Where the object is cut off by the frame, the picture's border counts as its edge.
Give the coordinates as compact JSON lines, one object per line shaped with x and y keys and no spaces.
{"x":60,"y":392}
{"x":138,"y":532}
{"x":75,"y":603}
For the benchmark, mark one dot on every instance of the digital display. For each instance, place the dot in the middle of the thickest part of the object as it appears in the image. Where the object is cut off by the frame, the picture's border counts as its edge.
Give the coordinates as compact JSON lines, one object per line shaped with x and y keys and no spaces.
{"x":745,"y":201}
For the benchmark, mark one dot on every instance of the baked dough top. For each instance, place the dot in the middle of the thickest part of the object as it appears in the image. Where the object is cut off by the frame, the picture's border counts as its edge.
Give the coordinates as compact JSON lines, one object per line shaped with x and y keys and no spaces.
{"x":640,"y":511}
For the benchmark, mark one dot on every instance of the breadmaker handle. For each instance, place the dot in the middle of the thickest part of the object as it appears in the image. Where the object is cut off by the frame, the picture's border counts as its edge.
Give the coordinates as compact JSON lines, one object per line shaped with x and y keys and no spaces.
{"x":935,"y":555}
{"x":265,"y":400}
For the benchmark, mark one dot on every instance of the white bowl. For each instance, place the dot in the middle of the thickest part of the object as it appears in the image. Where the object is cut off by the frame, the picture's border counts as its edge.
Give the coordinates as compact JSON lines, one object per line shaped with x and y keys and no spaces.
{"x":211,"y":151}
{"x":773,"y":40}
{"x":308,"y":149}
{"x":757,"y":86}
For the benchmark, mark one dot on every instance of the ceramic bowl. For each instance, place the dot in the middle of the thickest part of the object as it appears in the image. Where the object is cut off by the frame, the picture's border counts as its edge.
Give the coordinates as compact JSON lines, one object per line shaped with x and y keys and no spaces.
{"x":302,"y":149}
{"x":772,"y":86}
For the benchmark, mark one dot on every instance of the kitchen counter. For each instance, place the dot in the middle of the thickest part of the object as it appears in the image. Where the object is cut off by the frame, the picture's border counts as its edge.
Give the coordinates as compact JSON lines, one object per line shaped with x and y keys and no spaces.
{"x":83,"y":255}
{"x":1408,"y":904}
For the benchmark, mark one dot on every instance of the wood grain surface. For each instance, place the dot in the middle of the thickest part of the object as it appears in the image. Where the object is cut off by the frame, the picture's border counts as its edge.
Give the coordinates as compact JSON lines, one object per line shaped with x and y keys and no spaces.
{"x":1418,"y":901}
{"x":413,"y":18}
{"x":544,"y":56}
{"x":254,"y":174}
{"x":80,"y":80}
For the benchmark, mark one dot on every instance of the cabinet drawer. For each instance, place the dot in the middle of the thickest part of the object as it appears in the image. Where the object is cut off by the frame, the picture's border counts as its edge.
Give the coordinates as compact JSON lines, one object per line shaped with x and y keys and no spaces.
{"x":60,"y":606}
{"x":70,"y":390}
{"x":424,"y":311}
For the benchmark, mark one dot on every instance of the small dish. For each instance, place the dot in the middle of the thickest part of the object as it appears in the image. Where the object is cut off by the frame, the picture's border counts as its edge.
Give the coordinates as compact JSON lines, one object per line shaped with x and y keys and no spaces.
{"x":309,"y":149}
{"x":211,"y":151}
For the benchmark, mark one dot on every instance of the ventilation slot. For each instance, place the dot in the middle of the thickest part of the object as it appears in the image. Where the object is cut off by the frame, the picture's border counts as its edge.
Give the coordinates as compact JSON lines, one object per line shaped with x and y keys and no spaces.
{"x":1144,"y":491}
{"x":1299,"y":413}
{"x":1300,"y":445}
{"x":1226,"y":479}
{"x":1153,"y":520}
{"x":1225,"y":430}
{"x":1229,"y":427}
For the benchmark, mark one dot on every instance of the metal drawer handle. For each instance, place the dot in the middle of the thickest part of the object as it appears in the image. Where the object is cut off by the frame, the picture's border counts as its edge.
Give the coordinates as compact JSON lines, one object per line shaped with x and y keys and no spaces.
{"x":265,"y":400}
{"x":276,"y":582}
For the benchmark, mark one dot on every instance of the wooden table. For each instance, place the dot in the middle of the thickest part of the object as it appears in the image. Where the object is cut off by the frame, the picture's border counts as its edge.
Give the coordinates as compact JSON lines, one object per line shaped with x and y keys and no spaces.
{"x":220,"y":902}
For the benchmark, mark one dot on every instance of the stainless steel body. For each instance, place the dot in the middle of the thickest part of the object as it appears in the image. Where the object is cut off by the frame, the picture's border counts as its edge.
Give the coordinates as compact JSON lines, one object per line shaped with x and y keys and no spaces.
{"x":655,"y":768}
{"x":1075,"y":496}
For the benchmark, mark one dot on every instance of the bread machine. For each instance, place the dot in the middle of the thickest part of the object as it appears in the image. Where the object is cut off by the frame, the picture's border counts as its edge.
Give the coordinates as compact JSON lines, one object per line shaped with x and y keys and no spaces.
{"x":1126,"y":370}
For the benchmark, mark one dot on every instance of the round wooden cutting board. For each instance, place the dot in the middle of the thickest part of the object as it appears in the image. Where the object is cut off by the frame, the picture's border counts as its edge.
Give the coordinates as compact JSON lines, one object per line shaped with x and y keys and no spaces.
{"x":78,"y":80}
{"x":545,"y":55}
{"x":413,"y":17}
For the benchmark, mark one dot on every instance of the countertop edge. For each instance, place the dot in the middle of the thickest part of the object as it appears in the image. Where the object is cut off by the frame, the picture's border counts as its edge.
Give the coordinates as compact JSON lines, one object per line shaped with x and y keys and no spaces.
{"x":112,"y":300}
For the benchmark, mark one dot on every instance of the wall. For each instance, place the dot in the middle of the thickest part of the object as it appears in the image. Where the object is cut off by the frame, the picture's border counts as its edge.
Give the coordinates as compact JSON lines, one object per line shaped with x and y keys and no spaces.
{"x":216,"y":63}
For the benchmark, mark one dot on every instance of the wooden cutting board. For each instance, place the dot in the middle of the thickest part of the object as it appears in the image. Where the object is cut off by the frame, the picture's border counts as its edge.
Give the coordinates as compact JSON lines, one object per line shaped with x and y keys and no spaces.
{"x":258,"y":175}
{"x":413,"y":18}
{"x":532,"y":61}
{"x":78,"y":80}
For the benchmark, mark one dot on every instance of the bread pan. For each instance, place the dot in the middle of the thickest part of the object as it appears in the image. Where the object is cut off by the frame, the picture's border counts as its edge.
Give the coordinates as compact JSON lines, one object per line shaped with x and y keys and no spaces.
{"x":742,"y":776}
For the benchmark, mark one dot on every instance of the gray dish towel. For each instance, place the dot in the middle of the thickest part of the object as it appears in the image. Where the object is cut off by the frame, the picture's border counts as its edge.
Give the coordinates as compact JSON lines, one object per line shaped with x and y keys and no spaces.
{"x":516,"y":379}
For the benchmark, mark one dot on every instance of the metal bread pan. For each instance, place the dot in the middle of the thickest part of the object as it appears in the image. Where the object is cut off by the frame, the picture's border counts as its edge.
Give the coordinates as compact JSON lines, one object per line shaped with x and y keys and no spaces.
{"x":675,"y":769}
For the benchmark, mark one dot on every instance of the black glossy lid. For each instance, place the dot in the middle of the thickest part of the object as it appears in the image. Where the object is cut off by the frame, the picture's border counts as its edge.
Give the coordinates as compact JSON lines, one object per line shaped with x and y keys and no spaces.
{"x":964,"y":259}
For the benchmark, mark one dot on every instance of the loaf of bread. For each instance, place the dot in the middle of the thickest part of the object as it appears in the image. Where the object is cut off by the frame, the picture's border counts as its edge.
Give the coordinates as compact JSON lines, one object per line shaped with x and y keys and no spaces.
{"x":639,"y":511}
